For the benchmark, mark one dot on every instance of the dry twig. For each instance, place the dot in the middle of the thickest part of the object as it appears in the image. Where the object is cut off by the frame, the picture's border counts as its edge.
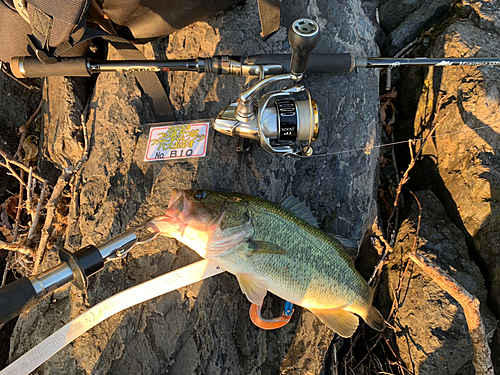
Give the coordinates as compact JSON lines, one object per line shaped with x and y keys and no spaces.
{"x":66,"y":175}
{"x":8,"y":160}
{"x":35,"y":219}
{"x":16,"y":247}
{"x":51,"y":209}
{"x":381,"y":250}
{"x":406,"y":177}
{"x":75,"y":181}
{"x":23,"y":131}
{"x":10,"y":255}
{"x":9,"y":163}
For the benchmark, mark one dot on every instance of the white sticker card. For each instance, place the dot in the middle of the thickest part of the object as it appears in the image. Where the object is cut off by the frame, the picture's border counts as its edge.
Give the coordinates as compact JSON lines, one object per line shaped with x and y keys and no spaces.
{"x":177,"y":141}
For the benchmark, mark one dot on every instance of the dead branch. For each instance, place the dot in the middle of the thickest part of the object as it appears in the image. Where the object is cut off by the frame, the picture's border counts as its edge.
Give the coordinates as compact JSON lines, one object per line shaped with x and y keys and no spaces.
{"x":7,"y":165}
{"x":51,"y":209}
{"x":29,"y":192}
{"x":10,"y":160}
{"x":381,"y":250}
{"x":415,"y":241}
{"x":19,"y":208}
{"x":68,"y":173}
{"x":16,"y":229}
{"x":470,"y":304}
{"x":16,"y":247}
{"x":23,"y":131}
{"x":34,"y":222}
{"x":75,"y":181}
{"x":414,"y":158}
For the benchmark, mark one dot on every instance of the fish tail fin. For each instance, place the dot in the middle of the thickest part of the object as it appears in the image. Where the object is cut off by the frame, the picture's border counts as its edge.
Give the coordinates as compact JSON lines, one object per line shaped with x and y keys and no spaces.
{"x":375,"y":319}
{"x":340,"y":321}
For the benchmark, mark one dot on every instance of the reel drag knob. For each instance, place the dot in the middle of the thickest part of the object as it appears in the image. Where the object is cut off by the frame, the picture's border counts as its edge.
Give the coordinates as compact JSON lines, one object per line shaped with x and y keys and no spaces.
{"x":303,"y":37}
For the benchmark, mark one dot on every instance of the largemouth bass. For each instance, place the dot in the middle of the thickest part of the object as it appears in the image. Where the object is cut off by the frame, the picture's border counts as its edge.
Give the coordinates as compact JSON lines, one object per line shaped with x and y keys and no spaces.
{"x":269,"y":248}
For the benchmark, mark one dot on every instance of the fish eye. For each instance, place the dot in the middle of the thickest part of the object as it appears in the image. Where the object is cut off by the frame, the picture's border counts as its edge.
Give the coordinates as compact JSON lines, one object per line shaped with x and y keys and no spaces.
{"x":199,"y":194}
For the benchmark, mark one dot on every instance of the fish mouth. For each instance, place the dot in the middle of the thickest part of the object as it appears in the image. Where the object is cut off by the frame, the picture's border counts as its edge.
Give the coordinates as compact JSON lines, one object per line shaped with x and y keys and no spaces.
{"x":179,"y":206}
{"x":178,"y":209}
{"x":176,"y":204}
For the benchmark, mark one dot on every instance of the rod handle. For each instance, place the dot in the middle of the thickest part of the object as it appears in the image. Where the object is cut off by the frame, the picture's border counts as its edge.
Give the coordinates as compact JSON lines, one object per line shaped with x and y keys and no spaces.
{"x":303,"y":37}
{"x":31,"y":67}
{"x":15,"y":297}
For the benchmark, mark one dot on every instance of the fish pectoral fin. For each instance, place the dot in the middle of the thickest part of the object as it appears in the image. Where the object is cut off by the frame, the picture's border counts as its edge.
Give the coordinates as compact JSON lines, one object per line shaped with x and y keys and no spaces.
{"x":263,"y":247}
{"x":340,"y":321}
{"x":255,"y":289}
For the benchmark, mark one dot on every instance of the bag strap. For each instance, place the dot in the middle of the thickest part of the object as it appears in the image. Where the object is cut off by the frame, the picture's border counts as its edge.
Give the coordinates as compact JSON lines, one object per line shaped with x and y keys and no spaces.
{"x":59,"y":25}
{"x":149,"y":81}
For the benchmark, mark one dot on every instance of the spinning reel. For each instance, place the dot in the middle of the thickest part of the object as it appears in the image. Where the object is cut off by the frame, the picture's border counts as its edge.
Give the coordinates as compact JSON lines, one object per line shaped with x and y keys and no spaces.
{"x":279,"y":119}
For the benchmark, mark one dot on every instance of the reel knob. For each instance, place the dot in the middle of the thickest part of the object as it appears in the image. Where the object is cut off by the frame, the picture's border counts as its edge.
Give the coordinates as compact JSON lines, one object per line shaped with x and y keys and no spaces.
{"x":303,"y":37}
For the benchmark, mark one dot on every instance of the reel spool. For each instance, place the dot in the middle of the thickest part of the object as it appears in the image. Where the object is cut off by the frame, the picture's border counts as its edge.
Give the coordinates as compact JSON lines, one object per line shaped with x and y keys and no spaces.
{"x":281,"y":120}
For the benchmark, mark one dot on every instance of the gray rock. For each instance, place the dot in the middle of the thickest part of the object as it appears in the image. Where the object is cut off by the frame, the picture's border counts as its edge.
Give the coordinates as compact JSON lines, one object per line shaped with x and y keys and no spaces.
{"x":431,"y":333}
{"x":460,"y":165}
{"x":421,"y":19}
{"x":205,"y":328}
{"x":487,"y":13}
{"x":464,"y":166}
{"x":394,"y":12}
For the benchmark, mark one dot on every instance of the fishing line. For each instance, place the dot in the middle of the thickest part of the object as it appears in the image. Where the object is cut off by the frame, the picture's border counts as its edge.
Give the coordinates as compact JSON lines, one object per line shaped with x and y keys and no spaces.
{"x":369,"y":148}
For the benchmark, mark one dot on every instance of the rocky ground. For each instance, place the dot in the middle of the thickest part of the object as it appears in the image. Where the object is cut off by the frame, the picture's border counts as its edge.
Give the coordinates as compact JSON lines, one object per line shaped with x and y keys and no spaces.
{"x":204,"y":328}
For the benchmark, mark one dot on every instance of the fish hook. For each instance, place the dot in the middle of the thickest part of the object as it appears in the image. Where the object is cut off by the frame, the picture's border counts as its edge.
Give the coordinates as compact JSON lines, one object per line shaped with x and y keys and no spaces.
{"x":273,"y":323}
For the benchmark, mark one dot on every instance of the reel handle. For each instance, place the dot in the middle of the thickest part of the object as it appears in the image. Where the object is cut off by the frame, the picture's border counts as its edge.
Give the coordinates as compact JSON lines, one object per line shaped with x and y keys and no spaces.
{"x":303,"y":37}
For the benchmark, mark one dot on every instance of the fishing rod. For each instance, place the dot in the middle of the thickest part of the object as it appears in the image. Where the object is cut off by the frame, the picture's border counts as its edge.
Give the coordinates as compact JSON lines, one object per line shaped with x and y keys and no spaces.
{"x":255,"y":65}
{"x":281,"y":121}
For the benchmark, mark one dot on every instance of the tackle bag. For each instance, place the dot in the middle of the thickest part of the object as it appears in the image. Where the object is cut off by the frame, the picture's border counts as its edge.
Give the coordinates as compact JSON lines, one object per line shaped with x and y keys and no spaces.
{"x":50,"y":29}
{"x":53,"y":28}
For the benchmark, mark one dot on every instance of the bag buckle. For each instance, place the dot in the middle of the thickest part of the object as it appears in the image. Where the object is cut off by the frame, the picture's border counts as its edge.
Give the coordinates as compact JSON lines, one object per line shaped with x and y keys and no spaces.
{"x":40,"y":54}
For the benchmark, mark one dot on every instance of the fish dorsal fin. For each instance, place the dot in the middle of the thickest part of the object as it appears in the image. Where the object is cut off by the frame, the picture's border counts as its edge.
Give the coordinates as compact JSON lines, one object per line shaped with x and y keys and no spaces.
{"x":263,"y":247}
{"x":255,"y":289}
{"x":340,"y":321}
{"x":300,"y":209}
{"x":346,"y":242}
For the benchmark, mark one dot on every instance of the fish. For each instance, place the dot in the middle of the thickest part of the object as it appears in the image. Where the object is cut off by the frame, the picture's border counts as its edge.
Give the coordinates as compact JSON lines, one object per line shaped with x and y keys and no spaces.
{"x":270,"y":248}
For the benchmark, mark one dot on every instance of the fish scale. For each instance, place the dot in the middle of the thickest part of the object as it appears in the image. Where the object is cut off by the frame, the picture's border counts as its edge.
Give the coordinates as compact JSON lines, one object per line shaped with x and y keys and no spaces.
{"x":312,"y":270}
